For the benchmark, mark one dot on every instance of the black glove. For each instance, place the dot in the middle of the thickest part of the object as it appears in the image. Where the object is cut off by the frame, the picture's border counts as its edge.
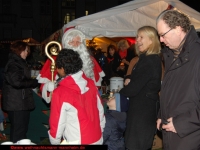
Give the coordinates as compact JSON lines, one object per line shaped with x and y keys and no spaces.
{"x":34,"y":83}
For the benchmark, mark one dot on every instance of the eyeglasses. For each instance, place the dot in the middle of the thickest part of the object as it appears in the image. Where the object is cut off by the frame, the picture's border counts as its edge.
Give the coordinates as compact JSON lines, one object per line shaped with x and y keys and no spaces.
{"x":165,"y":33}
{"x":75,"y":42}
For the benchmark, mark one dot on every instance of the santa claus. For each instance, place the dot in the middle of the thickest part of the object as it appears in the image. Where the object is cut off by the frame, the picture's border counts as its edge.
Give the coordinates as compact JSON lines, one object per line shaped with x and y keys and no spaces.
{"x":72,"y":39}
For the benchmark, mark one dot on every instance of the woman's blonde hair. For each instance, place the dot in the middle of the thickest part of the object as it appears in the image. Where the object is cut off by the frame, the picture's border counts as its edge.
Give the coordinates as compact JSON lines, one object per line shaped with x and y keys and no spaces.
{"x":123,"y":43}
{"x":155,"y":46}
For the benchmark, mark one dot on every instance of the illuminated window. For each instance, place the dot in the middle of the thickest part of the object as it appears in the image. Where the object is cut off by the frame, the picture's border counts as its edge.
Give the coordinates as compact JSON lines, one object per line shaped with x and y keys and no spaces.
{"x":72,"y":16}
{"x":69,"y":16}
{"x":90,"y":7}
{"x":86,"y":12}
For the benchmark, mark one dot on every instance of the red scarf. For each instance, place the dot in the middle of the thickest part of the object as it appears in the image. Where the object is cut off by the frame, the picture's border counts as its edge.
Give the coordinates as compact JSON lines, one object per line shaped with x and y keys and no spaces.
{"x":110,"y":59}
{"x":123,"y":53}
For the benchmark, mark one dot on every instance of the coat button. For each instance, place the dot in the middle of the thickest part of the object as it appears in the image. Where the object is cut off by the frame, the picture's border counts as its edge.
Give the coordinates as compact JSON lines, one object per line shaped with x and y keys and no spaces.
{"x":186,"y":59}
{"x":177,"y":64}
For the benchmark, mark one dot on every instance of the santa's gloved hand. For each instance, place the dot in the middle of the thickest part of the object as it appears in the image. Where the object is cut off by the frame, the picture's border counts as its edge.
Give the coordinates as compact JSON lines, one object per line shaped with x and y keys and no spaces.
{"x":50,"y":86}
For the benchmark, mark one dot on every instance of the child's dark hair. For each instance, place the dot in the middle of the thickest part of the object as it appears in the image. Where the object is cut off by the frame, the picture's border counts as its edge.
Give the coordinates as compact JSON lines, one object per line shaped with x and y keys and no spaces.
{"x":69,"y":60}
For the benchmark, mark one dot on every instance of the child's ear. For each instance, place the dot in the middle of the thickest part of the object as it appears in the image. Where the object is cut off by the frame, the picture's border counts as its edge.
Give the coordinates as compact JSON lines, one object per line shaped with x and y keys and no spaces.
{"x":63,"y":71}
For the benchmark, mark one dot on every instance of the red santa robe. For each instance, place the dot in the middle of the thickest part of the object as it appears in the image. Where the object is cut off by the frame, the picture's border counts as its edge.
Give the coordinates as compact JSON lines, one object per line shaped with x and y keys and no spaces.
{"x":45,"y":77}
{"x":98,"y":72}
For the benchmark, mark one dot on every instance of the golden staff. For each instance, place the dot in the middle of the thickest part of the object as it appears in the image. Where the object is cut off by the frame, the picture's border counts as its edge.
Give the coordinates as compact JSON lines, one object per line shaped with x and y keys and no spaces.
{"x":54,"y":51}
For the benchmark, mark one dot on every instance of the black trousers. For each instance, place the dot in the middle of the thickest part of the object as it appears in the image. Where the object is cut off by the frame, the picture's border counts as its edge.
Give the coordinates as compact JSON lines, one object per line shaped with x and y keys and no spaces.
{"x":19,"y":121}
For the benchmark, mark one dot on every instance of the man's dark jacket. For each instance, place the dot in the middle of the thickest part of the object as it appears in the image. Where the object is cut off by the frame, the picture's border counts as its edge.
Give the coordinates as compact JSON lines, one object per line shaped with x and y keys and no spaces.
{"x":180,"y":95}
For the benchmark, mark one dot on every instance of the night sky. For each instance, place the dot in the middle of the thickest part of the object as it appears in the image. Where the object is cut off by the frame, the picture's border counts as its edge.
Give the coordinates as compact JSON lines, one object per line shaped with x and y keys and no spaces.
{"x":195,"y":4}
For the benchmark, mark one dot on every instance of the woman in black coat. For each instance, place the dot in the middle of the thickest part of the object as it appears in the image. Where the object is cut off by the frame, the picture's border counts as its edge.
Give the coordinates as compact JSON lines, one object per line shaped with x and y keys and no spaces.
{"x":142,"y":90}
{"x":126,"y":53}
{"x":17,"y":91}
{"x":111,"y":64}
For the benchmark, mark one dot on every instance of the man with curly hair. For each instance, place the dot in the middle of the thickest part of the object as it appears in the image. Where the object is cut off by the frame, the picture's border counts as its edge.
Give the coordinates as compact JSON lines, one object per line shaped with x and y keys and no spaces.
{"x":179,"y":116}
{"x":77,"y":115}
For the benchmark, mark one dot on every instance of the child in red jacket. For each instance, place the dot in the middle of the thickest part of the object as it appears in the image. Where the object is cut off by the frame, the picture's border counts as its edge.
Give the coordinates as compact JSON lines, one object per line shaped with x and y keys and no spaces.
{"x":77,"y":114}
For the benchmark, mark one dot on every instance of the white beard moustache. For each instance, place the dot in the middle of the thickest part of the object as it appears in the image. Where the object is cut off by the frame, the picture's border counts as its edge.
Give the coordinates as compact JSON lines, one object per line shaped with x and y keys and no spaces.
{"x":86,"y":59}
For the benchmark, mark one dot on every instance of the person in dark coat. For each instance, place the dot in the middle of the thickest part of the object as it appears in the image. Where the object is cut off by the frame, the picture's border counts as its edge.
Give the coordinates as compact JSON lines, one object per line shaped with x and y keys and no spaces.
{"x":100,"y":58}
{"x":179,"y":115}
{"x":126,"y":53}
{"x":143,"y":91}
{"x":115,"y":122}
{"x":17,"y":91}
{"x":112,"y":62}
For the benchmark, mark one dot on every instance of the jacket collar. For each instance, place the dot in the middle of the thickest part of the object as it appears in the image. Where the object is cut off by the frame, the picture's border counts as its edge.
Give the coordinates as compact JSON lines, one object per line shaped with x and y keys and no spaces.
{"x":14,"y":56}
{"x":77,"y":82}
{"x":183,"y":57}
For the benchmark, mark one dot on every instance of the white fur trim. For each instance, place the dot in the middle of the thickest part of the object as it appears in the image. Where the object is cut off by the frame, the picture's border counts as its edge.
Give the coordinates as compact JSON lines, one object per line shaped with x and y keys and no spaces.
{"x":44,"y":93}
{"x":101,"y":74}
{"x":80,"y":81}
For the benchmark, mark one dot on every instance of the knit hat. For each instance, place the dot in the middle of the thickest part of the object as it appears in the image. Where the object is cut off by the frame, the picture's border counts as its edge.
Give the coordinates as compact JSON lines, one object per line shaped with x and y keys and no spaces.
{"x":121,"y":102}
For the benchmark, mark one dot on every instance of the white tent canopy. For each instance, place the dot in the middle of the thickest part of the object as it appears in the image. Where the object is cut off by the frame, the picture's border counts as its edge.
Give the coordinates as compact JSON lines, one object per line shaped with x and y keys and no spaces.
{"x":125,"y":19}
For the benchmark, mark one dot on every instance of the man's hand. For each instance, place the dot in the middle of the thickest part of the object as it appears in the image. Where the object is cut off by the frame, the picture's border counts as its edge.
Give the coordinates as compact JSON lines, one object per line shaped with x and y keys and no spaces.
{"x":158,"y":124}
{"x":169,"y":126}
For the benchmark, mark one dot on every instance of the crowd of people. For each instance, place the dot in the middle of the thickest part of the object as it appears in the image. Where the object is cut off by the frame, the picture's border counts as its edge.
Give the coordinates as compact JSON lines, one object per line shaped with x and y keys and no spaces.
{"x":161,"y":89}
